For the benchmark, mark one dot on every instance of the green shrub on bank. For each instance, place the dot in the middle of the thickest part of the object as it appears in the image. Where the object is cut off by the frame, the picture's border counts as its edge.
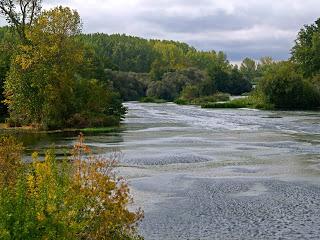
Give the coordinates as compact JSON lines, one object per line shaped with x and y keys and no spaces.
{"x":218,"y":97}
{"x":152,"y":100}
{"x":230,"y":104}
{"x":285,"y":87}
{"x":182,"y":101}
{"x":252,"y":101}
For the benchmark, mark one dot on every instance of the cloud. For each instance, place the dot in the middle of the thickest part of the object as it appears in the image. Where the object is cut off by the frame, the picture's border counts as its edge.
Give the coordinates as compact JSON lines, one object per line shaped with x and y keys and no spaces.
{"x":251,"y":28}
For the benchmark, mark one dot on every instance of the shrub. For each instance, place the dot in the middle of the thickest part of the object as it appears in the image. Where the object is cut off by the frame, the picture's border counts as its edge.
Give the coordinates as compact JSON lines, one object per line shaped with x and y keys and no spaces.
{"x":218,"y":97}
{"x":190,"y":92}
{"x":10,"y":155}
{"x":152,"y":100}
{"x":181,"y":101}
{"x":224,"y":105}
{"x":81,"y":199}
{"x":236,"y":103}
{"x":285,"y":88}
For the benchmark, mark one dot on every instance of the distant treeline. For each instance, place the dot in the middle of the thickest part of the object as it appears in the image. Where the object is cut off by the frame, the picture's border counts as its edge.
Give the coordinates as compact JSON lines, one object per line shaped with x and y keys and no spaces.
{"x":172,"y":70}
{"x":139,"y":67}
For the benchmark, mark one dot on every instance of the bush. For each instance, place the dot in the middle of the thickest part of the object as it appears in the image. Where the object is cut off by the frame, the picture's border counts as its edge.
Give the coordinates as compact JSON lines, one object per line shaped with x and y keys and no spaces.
{"x":236,"y":103}
{"x":284,"y":87}
{"x":218,"y":97}
{"x":10,"y":155}
{"x":181,"y":101}
{"x":152,"y":100}
{"x":81,"y":199}
{"x":190,"y":92}
{"x":224,"y":105}
{"x":12,"y":122}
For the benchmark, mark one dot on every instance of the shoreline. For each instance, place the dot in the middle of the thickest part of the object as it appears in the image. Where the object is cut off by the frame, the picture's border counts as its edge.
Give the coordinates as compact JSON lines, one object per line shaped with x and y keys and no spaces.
{"x":28,"y":129}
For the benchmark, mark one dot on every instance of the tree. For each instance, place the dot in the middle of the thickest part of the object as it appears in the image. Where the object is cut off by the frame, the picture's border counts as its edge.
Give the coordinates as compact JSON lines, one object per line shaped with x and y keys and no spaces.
{"x":172,"y":83}
{"x":39,"y":85}
{"x":238,"y":84}
{"x":284,"y":87}
{"x":169,"y":58}
{"x":201,"y":59}
{"x":306,"y":51}
{"x":8,"y":43}
{"x":131,"y":86}
{"x":95,"y":104}
{"x":249,"y":69}
{"x":20,"y":14}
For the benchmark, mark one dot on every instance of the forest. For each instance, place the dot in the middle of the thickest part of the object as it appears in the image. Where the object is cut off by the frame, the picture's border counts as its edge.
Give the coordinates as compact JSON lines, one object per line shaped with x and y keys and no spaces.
{"x":53,"y":76}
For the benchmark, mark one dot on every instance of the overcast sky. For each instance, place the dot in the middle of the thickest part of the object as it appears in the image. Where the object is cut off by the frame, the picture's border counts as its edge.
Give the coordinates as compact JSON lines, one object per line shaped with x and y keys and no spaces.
{"x":241,"y":28}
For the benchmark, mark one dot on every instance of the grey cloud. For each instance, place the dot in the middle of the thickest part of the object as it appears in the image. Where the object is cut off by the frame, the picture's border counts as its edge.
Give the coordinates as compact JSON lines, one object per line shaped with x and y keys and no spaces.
{"x":251,"y":28}
{"x":217,"y":21}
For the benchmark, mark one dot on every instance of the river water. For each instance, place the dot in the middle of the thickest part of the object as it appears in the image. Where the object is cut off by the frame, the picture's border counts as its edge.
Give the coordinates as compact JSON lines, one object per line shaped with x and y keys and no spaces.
{"x":217,"y":174}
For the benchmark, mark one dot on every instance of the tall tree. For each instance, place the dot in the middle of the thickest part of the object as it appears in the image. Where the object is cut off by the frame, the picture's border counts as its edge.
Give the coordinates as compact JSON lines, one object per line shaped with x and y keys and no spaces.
{"x":306,"y":51}
{"x":249,"y":69}
{"x":39,"y":85}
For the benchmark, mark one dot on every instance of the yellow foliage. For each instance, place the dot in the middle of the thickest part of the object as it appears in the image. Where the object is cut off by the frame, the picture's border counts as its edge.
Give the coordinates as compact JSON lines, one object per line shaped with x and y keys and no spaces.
{"x":81,"y":199}
{"x":10,"y":160}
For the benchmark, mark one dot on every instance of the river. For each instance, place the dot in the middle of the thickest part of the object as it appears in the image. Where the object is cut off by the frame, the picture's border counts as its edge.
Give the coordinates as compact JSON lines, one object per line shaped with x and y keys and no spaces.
{"x":217,"y":174}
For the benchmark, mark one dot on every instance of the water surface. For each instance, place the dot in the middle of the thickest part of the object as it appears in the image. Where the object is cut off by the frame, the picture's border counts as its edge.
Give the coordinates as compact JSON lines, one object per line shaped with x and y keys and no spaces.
{"x":216,"y":174}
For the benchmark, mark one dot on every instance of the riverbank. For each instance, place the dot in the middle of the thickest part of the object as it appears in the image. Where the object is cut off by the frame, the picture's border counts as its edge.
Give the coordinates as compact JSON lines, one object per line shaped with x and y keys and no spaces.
{"x":29,"y":129}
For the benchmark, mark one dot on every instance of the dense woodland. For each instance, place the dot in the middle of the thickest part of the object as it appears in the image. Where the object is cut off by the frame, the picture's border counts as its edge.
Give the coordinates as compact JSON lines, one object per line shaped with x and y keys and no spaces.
{"x":53,"y":76}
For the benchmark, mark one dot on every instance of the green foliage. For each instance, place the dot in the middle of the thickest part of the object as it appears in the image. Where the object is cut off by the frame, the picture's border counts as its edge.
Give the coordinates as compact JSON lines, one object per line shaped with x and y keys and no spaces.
{"x":306,"y":51}
{"x":131,"y":86}
{"x":152,"y":100}
{"x":42,"y":87}
{"x":252,"y":101}
{"x":284,"y":87}
{"x":229,"y":80}
{"x":10,"y":155}
{"x":172,"y":83}
{"x":81,"y":199}
{"x":40,"y":80}
{"x":121,"y":52}
{"x":8,"y":43}
{"x":182,"y":101}
{"x":236,"y":103}
{"x":217,"y":97}
{"x":202,"y":60}
{"x":248,"y":69}
{"x":190,"y":92}
{"x":100,"y":130}
{"x":90,"y":111}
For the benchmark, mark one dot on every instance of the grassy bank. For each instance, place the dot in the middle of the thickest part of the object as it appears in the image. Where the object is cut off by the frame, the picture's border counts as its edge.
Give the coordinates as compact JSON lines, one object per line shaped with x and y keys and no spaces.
{"x":152,"y":100}
{"x":248,"y":102}
{"x":218,"y":97}
{"x":4,"y":127}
